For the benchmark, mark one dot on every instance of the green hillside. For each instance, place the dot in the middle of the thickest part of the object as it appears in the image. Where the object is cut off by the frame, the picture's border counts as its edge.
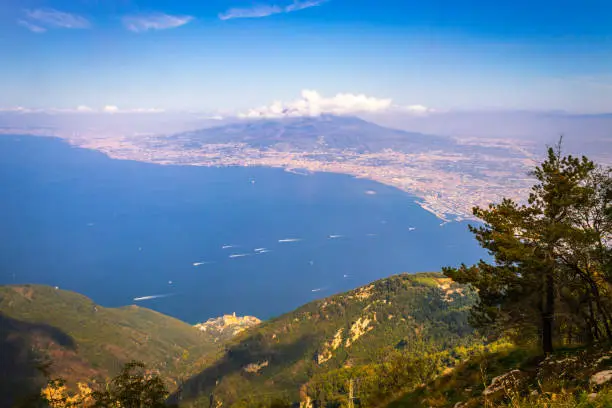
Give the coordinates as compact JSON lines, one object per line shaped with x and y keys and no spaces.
{"x":404,"y":314}
{"x":519,"y":377}
{"x":81,"y":340}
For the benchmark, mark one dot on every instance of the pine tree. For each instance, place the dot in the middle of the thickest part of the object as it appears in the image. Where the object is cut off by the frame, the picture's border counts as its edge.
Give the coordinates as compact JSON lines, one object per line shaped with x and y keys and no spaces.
{"x":545,"y":256}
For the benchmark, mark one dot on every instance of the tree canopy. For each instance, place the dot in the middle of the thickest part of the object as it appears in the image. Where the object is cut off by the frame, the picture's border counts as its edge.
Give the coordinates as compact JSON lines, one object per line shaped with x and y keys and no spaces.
{"x":550,"y":278}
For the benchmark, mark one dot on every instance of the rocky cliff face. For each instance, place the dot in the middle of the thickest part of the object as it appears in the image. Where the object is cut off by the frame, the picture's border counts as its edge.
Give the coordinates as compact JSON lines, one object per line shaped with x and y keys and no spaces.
{"x":227,"y":326}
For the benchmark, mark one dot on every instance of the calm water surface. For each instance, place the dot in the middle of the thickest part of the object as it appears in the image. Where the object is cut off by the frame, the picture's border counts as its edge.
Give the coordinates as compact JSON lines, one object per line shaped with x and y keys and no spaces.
{"x":117,"y":230}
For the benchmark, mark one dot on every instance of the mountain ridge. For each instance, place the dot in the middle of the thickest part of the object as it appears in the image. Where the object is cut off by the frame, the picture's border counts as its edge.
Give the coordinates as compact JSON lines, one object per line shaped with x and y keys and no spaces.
{"x":347,"y":330}
{"x":308,"y":133}
{"x":75,"y":339}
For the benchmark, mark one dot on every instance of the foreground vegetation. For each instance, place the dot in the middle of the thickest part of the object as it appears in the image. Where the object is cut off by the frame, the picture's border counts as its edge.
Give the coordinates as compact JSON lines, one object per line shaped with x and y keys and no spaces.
{"x":520,"y":377}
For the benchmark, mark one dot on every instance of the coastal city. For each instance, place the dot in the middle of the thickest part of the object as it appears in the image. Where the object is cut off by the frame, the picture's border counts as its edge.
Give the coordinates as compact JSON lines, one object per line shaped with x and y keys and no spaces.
{"x":448,"y":184}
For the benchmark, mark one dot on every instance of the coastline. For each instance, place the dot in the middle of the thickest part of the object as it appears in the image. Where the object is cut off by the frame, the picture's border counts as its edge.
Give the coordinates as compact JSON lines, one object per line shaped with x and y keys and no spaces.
{"x":424,"y":204}
{"x":448,"y":195}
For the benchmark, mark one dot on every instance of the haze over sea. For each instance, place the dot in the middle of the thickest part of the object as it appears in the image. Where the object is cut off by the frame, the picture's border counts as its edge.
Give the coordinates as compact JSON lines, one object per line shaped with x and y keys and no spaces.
{"x":117,"y":230}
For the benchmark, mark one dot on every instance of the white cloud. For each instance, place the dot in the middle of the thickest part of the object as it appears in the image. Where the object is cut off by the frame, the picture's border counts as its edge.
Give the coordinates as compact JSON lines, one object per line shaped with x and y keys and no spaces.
{"x":19,"y":109}
{"x":115,"y":109}
{"x":83,"y":108}
{"x":417,"y":109}
{"x":54,"y":18}
{"x":32,"y":27}
{"x":265,"y":10}
{"x":313,"y":104}
{"x":143,"y":110}
{"x":154,"y":21}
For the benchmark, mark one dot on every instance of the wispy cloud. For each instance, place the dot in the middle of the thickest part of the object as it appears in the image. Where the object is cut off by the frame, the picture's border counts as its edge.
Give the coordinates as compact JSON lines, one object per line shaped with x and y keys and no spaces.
{"x":82,"y":109}
{"x":154,"y":21}
{"x":265,"y":10}
{"x":56,"y":19}
{"x":251,"y":12}
{"x":116,"y":109}
{"x":301,"y":5}
{"x":32,"y":27}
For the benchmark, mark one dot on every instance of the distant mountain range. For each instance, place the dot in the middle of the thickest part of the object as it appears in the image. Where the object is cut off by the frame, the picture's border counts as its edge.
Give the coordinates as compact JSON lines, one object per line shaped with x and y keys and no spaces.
{"x":316,"y":132}
{"x":327,"y":133}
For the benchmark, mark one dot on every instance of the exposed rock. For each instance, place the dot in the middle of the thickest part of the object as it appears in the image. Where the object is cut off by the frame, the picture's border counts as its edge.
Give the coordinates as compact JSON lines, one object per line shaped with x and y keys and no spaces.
{"x":602,"y":359}
{"x":592,"y":397}
{"x":323,"y":356}
{"x":255,"y":367}
{"x":510,"y":380}
{"x":601,"y":377}
{"x":448,"y":288}
{"x":447,"y":371}
{"x":326,"y":352}
{"x":358,"y":329}
{"x":364,"y":293}
{"x":459,"y":405}
{"x":337,"y":340}
{"x":227,"y":326}
{"x":306,"y":403}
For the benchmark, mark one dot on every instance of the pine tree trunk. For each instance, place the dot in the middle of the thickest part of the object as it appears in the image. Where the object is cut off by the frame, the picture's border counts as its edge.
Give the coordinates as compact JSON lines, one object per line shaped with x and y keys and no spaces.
{"x":601,"y":309}
{"x":548,"y":315}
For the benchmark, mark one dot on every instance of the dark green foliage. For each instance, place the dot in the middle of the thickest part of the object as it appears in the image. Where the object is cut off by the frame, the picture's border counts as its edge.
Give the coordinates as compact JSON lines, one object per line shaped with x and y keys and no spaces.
{"x":22,"y":368}
{"x":132,"y":388}
{"x":550,"y":279}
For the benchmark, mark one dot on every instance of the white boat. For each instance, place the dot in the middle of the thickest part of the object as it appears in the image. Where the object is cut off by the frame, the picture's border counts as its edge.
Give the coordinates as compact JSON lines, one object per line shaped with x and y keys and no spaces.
{"x":138,"y":299}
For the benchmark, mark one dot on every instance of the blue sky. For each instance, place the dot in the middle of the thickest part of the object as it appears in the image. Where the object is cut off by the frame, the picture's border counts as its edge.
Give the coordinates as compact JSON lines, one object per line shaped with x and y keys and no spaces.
{"x":233,"y":55}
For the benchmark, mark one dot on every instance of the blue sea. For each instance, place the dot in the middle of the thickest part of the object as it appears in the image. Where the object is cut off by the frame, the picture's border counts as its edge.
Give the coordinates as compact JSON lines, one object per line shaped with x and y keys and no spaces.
{"x":116,"y":230}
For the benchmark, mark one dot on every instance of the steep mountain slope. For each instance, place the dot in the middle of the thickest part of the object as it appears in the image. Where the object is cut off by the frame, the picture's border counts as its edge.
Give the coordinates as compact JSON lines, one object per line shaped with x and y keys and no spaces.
{"x":81,"y":340}
{"x":355,"y":328}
